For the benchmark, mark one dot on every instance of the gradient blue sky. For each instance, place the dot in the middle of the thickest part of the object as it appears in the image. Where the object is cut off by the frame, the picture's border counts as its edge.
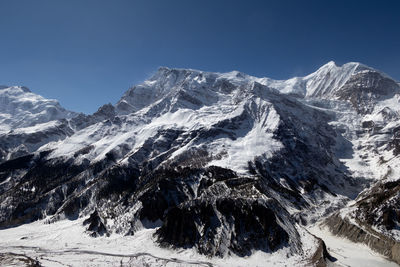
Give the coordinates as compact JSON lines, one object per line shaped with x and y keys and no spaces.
{"x":87,"y":53}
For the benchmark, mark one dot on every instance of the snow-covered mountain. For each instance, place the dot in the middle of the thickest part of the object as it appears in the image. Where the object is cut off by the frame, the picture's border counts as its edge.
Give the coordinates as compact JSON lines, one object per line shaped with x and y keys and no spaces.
{"x":219,"y":164}
{"x":28,"y":121}
{"x":21,"y":108}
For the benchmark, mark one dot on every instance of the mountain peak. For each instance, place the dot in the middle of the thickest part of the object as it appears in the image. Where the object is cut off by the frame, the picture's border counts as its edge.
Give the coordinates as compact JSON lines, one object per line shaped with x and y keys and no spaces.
{"x":349,"y":65}
{"x":330,"y":64}
{"x":167,"y":70}
{"x":352,"y":65}
{"x":25,"y":89}
{"x":22,"y":108}
{"x":22,"y":89}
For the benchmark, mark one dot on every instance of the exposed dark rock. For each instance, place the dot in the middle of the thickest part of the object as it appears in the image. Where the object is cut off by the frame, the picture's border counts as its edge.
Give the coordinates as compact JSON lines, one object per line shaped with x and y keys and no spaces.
{"x":83,"y":151}
{"x":395,"y":142}
{"x":255,"y":225}
{"x":18,"y":144}
{"x":367,"y":124}
{"x":13,"y":259}
{"x":15,"y":164}
{"x":96,"y":226}
{"x":382,"y":197}
{"x":40,"y":190}
{"x":118,"y":180}
{"x":364,"y":89}
{"x":321,"y":255}
{"x":212,"y":226}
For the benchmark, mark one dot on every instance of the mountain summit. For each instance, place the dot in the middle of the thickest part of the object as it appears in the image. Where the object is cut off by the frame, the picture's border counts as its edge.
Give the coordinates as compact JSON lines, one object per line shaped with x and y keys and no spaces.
{"x":22,"y":108}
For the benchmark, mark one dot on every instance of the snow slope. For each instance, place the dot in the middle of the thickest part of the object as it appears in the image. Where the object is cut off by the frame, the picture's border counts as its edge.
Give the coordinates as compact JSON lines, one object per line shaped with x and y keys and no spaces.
{"x":190,"y":101}
{"x":28,"y":121}
{"x":66,"y":243}
{"x":19,"y":107}
{"x":347,"y":253}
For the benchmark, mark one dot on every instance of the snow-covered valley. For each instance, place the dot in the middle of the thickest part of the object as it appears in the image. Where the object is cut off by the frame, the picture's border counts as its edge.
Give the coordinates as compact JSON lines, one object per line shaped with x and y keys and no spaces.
{"x":65,"y":243}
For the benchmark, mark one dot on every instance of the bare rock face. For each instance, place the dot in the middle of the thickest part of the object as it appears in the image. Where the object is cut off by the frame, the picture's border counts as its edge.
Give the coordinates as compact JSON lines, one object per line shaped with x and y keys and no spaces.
{"x":224,"y":224}
{"x":395,"y":142}
{"x":365,"y":89}
{"x":95,"y":224}
{"x":321,"y":255}
{"x":380,"y":207}
{"x":12,"y":259}
{"x":18,"y":143}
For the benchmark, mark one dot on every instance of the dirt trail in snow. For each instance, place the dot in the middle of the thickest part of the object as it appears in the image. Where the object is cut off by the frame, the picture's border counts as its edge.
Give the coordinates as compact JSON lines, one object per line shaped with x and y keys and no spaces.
{"x":44,"y":253}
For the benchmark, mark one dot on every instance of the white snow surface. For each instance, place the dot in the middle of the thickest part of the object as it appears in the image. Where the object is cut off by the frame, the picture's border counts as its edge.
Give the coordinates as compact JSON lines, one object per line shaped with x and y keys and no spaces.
{"x":19,"y":107}
{"x":189,"y":101}
{"x":348,"y":253}
{"x":65,"y":243}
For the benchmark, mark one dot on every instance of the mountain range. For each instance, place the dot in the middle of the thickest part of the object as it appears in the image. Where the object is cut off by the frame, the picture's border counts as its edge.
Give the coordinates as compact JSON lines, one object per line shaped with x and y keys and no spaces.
{"x":220,"y":164}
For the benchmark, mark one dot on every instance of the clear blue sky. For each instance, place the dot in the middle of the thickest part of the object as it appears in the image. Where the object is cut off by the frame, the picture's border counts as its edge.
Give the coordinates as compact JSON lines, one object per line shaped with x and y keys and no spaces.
{"x":86,"y":53}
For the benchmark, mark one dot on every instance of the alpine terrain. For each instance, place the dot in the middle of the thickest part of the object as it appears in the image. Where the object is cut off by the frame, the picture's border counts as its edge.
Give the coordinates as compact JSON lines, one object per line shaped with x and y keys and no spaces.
{"x":209,"y":169}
